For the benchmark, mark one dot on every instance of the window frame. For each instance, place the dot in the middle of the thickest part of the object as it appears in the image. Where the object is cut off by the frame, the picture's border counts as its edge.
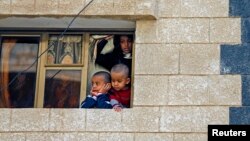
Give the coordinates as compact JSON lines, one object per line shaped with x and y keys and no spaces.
{"x":42,"y":65}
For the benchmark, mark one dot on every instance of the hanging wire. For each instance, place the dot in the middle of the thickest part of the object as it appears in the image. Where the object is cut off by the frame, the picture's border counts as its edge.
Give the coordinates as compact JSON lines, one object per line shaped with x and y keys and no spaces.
{"x":58,"y":38}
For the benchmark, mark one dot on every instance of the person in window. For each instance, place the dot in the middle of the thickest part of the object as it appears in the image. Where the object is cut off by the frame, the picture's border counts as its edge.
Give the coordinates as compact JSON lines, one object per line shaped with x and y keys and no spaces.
{"x":99,"y":97}
{"x":122,"y":52}
{"x":121,"y":92}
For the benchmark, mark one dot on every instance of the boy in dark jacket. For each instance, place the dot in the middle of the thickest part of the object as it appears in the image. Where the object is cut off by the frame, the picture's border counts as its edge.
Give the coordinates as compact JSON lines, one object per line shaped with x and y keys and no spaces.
{"x":99,"y":97}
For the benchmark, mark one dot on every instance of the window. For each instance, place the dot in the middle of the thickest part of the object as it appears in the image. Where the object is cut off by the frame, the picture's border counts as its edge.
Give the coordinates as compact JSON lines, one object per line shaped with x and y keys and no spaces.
{"x":46,"y":70}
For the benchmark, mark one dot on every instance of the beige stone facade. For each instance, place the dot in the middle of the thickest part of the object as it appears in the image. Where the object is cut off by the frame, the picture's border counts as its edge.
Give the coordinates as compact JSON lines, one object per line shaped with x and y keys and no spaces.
{"x":178,"y":89}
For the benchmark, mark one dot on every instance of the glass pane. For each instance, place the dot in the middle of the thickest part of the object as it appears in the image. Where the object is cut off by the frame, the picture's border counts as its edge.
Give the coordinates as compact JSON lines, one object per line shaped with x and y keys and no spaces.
{"x":66,"y":50}
{"x":18,"y":86}
{"x":62,"y":89}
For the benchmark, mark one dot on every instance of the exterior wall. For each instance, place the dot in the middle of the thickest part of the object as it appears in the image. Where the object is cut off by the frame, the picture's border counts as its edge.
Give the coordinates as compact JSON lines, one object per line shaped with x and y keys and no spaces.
{"x":178,"y":88}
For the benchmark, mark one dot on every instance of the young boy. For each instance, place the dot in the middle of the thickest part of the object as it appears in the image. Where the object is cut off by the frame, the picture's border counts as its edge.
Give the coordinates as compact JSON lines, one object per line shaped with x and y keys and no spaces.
{"x":120,"y":92}
{"x":99,"y":97}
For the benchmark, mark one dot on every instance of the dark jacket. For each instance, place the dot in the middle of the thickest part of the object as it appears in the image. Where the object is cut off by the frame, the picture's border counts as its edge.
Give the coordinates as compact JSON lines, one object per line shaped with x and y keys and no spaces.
{"x":101,"y":101}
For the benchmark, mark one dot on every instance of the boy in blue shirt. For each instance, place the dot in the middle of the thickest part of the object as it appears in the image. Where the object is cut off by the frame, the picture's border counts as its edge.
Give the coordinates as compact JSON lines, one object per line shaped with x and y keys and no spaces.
{"x":99,"y":98}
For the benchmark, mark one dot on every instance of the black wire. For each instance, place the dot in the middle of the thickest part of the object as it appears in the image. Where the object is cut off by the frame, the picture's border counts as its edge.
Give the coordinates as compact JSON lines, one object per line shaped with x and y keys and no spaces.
{"x":60,"y":36}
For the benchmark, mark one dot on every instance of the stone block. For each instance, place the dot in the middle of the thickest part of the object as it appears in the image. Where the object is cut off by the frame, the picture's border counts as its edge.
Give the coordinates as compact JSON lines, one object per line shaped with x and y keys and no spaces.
{"x":12,"y":137}
{"x":146,"y":7}
{"x":47,"y":7}
{"x":4,"y":7}
{"x":190,"y":137}
{"x":124,"y":7}
{"x":140,"y":119}
{"x":5,"y":118}
{"x":225,"y":30}
{"x":22,"y":7}
{"x":191,"y":118}
{"x":224,"y":90}
{"x":116,"y":137}
{"x":154,"y":137}
{"x":70,"y":7}
{"x":188,"y":90}
{"x":30,"y":120}
{"x":67,"y":120}
{"x":103,"y":120}
{"x":73,"y":136}
{"x":156,"y":59}
{"x":169,"y":8}
{"x":204,"y":8}
{"x":147,"y":31}
{"x":184,"y":30}
{"x":200,"y":59}
{"x":99,"y":7}
{"x":151,"y":90}
{"x":36,"y":136}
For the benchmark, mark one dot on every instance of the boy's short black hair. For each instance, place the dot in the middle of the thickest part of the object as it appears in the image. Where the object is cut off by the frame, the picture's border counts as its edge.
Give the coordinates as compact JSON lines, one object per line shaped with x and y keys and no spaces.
{"x":120,"y":68}
{"x":106,"y":75}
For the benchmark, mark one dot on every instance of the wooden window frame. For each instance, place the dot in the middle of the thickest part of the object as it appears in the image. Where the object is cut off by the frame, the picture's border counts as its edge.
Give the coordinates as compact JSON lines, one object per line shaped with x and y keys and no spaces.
{"x":42,"y":66}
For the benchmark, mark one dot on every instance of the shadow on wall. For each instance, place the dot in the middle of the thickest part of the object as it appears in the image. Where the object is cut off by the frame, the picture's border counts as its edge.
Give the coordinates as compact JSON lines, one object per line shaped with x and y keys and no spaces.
{"x":235,"y":59}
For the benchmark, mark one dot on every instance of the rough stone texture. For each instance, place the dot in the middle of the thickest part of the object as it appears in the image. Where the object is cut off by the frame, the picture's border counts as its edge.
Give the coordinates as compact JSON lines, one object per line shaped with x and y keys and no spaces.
{"x":12,"y":137}
{"x":155,"y":55}
{"x":173,"y":30}
{"x":30,"y":120}
{"x":154,"y":137}
{"x":191,"y":118}
{"x":98,"y":7}
{"x":188,"y":90}
{"x":116,"y":137}
{"x":190,"y":137}
{"x":36,"y":136}
{"x":151,"y":94}
{"x":122,"y":7}
{"x":103,"y":120}
{"x":200,"y":59}
{"x":225,"y":90}
{"x":47,"y":6}
{"x":72,"y":137}
{"x":67,"y":120}
{"x":146,"y":7}
{"x":204,"y":8}
{"x":182,"y":30}
{"x":140,"y":119}
{"x":225,"y":30}
{"x":67,"y":7}
{"x":169,"y":8}
{"x":146,"y":26}
{"x":23,"y":7}
{"x":5,"y":119}
{"x":5,"y":7}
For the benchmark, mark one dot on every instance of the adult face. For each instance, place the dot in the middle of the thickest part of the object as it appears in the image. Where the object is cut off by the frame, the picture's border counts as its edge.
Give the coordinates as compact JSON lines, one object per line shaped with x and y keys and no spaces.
{"x":126,"y":44}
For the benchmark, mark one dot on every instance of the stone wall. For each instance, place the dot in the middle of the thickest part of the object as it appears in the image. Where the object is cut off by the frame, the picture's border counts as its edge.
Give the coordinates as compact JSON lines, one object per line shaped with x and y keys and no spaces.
{"x":178,"y":85}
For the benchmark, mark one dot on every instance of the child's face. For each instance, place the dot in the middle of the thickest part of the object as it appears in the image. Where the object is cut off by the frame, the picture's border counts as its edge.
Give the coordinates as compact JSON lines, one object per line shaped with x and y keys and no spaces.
{"x":119,"y":81}
{"x":126,"y":44}
{"x":97,"y":83}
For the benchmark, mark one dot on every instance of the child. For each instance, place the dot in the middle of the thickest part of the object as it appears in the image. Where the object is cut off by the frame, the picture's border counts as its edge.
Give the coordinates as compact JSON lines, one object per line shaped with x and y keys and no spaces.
{"x":99,"y":97}
{"x":120,"y":92}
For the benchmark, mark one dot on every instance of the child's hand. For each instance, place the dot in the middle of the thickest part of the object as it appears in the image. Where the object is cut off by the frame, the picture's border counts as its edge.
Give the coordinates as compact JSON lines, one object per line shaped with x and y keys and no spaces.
{"x":117,"y":108}
{"x":105,"y":88}
{"x":93,"y":93}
